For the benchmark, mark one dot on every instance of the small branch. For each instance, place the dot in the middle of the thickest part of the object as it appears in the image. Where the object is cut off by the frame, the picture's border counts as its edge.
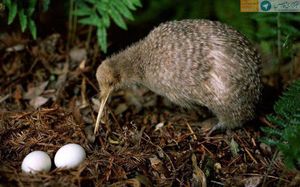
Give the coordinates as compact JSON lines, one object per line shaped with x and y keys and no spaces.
{"x":70,"y":25}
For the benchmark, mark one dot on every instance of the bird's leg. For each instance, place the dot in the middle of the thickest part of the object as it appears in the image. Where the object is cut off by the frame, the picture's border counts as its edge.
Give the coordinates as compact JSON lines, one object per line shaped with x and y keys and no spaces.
{"x":218,"y":127}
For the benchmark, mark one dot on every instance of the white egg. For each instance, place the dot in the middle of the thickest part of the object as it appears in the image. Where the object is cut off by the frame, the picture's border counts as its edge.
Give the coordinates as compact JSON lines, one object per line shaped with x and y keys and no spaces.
{"x":69,"y":156}
{"x":36,"y":161}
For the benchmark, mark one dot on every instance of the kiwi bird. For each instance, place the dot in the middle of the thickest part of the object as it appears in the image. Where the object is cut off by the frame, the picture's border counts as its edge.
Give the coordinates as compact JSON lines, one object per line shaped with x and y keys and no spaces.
{"x":192,"y":63}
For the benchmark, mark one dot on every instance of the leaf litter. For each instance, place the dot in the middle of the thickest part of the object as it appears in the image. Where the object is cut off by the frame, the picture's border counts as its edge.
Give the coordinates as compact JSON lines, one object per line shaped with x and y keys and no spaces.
{"x":47,"y":101}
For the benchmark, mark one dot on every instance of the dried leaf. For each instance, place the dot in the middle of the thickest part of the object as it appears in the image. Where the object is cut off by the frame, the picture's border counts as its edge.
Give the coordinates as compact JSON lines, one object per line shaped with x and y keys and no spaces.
{"x":34,"y":92}
{"x":96,"y":104}
{"x":132,"y":98}
{"x":38,"y":101}
{"x":89,"y":132}
{"x":144,"y":180}
{"x":199,"y":178}
{"x":122,"y":107}
{"x":217,"y":167}
{"x":252,"y":181}
{"x":158,"y":166}
{"x":159,"y":126}
{"x":15,"y":48}
{"x":266,"y":149}
{"x":234,"y":147}
{"x":3,"y":98}
{"x":78,"y":54}
{"x":18,"y":94}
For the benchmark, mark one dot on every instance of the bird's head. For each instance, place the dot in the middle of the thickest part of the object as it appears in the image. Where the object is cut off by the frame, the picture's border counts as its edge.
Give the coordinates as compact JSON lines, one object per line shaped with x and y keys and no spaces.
{"x":108,"y":79}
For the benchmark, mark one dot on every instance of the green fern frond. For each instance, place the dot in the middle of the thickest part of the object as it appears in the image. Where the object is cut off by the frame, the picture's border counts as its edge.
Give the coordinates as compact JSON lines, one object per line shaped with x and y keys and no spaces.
{"x":96,"y":13}
{"x":286,"y":135}
{"x":99,"y":13}
{"x":25,"y":11}
{"x":272,"y":132}
{"x":276,"y":30}
{"x":12,"y":12}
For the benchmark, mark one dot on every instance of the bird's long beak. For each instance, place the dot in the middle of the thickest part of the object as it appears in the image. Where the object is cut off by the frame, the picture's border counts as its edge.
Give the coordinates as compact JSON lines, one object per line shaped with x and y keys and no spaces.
{"x":103,"y":99}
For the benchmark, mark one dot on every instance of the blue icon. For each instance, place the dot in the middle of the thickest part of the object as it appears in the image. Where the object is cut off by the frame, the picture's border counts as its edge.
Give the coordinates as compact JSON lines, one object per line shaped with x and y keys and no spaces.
{"x":265,"y":5}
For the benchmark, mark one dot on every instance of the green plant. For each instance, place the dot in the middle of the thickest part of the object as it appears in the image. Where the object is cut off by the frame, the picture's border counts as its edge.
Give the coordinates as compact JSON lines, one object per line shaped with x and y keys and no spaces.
{"x":286,"y":135}
{"x":25,"y":11}
{"x":277,"y":33}
{"x":95,"y":13}
{"x":98,"y":13}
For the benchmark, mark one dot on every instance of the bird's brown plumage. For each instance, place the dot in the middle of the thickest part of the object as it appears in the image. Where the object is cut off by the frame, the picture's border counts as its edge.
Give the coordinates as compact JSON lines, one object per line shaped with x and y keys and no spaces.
{"x":192,"y":62}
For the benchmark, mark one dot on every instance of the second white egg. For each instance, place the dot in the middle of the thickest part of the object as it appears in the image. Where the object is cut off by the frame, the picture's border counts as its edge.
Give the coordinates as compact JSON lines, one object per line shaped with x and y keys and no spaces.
{"x":69,"y":156}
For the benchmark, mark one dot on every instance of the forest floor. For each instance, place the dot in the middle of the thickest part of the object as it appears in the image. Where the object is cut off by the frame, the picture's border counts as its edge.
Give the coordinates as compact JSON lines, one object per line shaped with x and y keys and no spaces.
{"x":49,"y":97}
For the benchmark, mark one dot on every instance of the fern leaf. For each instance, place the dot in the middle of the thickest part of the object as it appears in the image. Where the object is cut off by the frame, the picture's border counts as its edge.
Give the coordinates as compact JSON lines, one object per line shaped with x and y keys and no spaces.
{"x":270,"y":18}
{"x":31,"y":7}
{"x":129,"y":4}
{"x":93,"y":1}
{"x":46,"y":4}
{"x":270,"y":141}
{"x":120,"y":6}
{"x":99,"y":13}
{"x":102,"y":10}
{"x":117,"y":18}
{"x":82,"y":10}
{"x":106,"y":20}
{"x":287,"y":120}
{"x":291,"y":17}
{"x":102,"y":38}
{"x":32,"y":28}
{"x":275,"y":119}
{"x":272,"y":132}
{"x":12,"y":12}
{"x":23,"y":20}
{"x":7,"y":3}
{"x":137,"y":3}
{"x":266,"y":34}
{"x":92,"y":20}
{"x":102,"y":6}
{"x":288,"y":29}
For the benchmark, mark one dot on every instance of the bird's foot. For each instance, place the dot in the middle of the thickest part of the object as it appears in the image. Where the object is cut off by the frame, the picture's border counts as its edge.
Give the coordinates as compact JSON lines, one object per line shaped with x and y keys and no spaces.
{"x":218,"y":128}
